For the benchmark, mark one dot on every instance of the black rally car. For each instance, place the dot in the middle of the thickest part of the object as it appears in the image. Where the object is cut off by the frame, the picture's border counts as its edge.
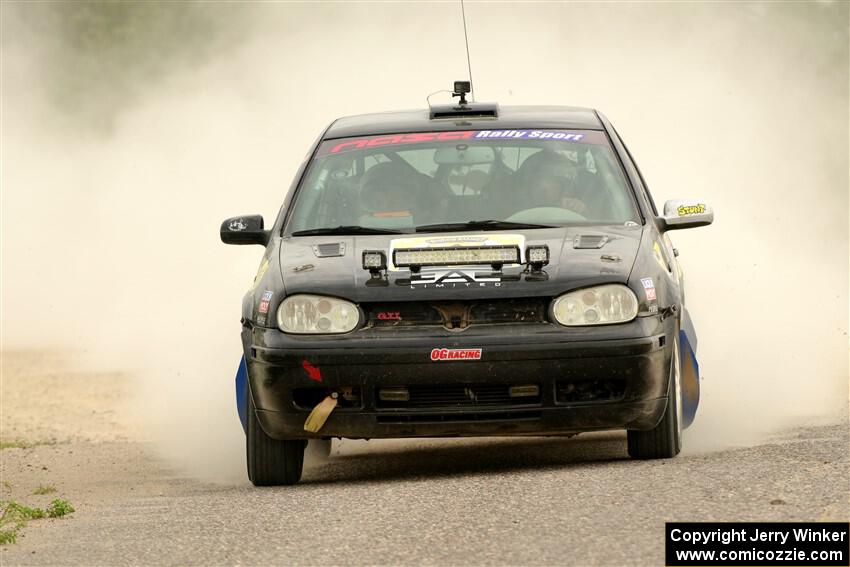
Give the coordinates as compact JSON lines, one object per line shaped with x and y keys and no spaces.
{"x":465,"y":270}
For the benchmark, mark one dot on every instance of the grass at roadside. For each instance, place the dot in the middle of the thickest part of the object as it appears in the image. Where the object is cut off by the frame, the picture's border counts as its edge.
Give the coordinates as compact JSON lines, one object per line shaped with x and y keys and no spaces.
{"x":19,"y":444}
{"x":15,"y":516}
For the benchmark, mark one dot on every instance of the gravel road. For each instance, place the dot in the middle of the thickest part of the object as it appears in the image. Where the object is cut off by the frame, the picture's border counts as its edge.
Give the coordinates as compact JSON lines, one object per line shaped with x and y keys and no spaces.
{"x":449,"y":502}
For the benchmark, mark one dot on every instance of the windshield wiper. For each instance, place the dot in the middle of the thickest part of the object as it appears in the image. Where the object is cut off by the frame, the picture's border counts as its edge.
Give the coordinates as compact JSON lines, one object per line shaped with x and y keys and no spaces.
{"x":479,"y":225}
{"x":349,"y":229}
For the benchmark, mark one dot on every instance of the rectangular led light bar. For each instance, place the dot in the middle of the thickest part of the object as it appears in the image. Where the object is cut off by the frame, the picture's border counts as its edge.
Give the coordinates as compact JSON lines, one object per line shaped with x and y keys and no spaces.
{"x":456,"y":256}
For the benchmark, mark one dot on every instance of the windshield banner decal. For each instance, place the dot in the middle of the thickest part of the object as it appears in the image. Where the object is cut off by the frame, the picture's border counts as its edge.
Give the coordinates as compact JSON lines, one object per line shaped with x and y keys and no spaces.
{"x":530,"y":134}
{"x":367,"y":142}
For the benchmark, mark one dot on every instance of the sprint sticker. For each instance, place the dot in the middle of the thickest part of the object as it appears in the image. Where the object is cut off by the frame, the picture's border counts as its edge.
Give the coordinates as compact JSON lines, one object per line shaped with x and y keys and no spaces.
{"x":686,"y":210}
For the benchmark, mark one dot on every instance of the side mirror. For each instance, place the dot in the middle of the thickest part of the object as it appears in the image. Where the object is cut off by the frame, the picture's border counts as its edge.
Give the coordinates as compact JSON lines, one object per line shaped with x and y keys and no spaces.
{"x":244,"y":230}
{"x":686,"y":213}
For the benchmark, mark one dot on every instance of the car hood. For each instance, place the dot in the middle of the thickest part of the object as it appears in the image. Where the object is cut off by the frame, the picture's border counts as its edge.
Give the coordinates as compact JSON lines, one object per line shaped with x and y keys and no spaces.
{"x":579,"y":257}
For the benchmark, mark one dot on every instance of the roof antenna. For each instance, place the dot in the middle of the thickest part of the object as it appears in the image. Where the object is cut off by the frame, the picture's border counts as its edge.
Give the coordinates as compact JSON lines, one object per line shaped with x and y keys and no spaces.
{"x":468,"y":64}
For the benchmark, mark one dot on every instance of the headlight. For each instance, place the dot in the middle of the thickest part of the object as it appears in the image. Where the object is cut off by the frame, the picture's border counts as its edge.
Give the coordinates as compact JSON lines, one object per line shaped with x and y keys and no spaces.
{"x":600,"y":305}
{"x":315,"y":314}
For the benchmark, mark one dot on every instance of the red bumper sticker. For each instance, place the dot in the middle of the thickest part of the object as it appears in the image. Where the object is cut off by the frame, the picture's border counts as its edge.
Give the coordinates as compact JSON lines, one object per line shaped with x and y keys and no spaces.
{"x":455,"y":354}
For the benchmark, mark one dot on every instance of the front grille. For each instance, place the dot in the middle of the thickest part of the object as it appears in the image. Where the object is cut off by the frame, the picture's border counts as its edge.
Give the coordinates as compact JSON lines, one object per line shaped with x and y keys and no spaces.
{"x":466,"y":416}
{"x":457,"y":396}
{"x":458,"y":314}
{"x":590,"y":391}
{"x":308,"y":398}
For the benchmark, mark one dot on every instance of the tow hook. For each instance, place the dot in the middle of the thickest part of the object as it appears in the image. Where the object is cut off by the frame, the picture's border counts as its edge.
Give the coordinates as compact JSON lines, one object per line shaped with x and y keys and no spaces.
{"x":317,"y":418}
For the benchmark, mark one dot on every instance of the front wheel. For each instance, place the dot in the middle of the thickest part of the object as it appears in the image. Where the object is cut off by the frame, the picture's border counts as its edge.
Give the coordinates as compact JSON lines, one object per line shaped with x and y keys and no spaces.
{"x":271,"y":462}
{"x":665,"y":439}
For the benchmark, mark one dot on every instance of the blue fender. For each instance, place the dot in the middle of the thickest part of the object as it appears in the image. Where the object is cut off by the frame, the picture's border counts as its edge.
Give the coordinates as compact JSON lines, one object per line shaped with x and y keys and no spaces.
{"x":242,"y":393}
{"x":689,"y":368}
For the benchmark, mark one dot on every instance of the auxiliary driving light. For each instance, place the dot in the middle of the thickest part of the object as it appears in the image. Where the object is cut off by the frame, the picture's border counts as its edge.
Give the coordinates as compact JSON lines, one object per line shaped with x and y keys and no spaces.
{"x":537,"y":255}
{"x":374,"y":260}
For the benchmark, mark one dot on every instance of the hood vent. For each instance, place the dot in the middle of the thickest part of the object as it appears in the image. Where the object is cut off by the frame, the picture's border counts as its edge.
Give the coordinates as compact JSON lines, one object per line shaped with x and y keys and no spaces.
{"x":329,"y":250}
{"x":585,"y":241}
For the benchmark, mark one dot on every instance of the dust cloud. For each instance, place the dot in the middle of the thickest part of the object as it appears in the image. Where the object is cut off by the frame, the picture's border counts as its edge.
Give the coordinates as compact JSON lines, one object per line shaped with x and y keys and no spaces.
{"x":128,"y":136}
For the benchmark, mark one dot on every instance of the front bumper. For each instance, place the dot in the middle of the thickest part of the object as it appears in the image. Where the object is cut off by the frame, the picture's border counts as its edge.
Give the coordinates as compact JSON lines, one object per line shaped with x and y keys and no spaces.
{"x":593,"y":378}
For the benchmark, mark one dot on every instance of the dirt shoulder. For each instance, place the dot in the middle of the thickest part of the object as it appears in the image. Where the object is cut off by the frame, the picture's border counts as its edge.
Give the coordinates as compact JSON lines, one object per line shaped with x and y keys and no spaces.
{"x":52,"y":398}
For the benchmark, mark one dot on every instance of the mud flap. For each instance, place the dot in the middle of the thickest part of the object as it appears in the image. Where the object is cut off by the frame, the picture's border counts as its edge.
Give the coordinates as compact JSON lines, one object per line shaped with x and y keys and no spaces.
{"x":689,"y":368}
{"x":242,"y":393}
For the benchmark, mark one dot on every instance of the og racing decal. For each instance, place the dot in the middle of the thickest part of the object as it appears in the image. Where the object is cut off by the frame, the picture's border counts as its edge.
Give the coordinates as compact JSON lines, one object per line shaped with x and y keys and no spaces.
{"x":438,"y":354}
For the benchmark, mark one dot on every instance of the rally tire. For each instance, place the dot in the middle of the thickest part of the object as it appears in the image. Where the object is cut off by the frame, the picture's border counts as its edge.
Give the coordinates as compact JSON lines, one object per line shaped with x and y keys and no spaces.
{"x":271,"y":462}
{"x":664,"y":441}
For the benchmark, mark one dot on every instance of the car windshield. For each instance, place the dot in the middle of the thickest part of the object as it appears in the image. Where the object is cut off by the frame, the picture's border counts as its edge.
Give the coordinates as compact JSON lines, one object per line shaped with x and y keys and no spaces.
{"x":399,"y":182}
